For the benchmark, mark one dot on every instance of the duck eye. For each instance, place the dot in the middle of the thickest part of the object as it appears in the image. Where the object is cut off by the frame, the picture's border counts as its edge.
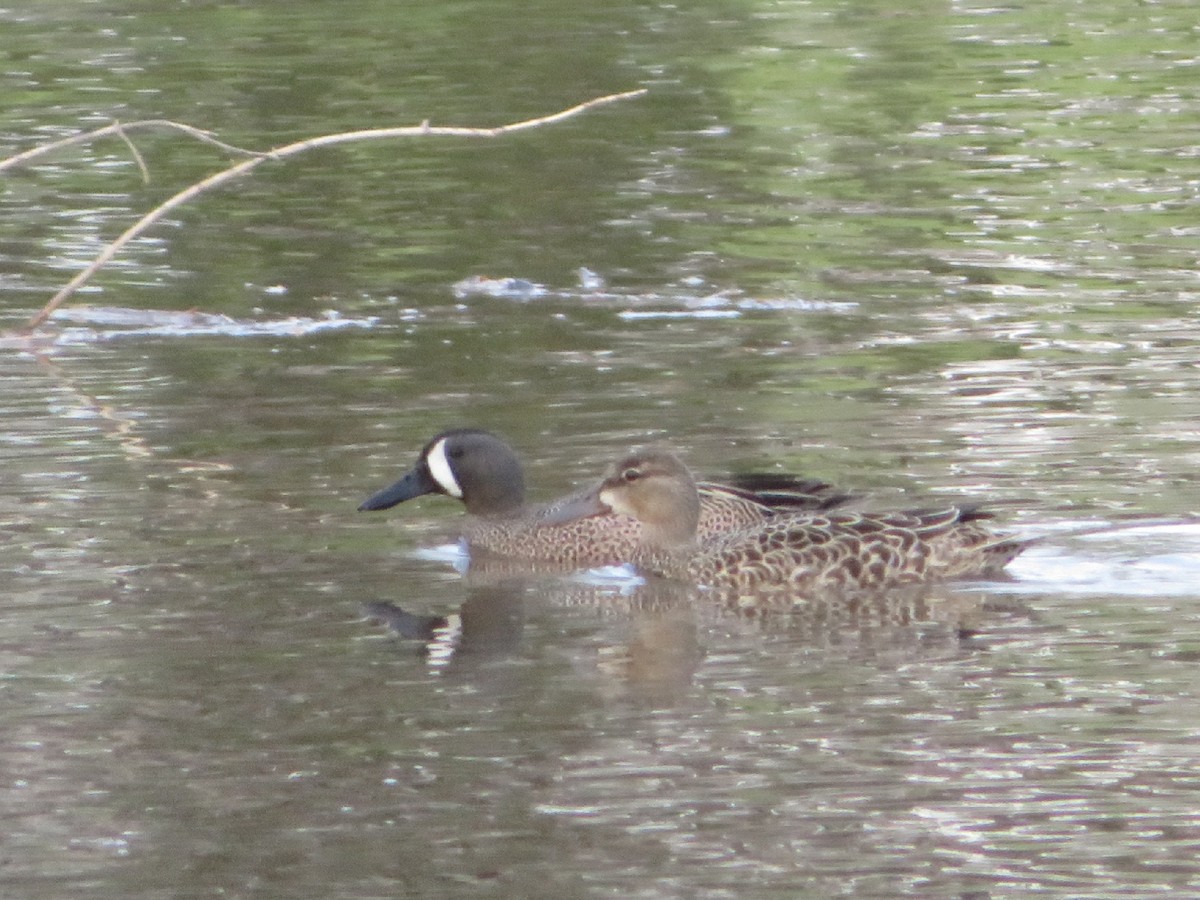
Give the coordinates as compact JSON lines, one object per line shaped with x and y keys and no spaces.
{"x":456,"y":452}
{"x":631,"y":474}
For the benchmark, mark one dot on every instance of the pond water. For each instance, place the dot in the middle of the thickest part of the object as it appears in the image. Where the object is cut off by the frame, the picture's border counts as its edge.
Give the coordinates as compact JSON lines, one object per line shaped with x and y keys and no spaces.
{"x":946,"y":251}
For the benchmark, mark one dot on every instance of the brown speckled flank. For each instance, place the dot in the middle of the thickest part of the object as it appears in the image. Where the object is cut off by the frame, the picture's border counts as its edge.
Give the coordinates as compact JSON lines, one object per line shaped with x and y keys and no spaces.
{"x":482,"y":471}
{"x":800,"y":552}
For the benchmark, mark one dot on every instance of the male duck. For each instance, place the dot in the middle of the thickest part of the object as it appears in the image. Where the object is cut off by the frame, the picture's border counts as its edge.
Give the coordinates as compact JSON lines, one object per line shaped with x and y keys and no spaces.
{"x":800,"y":553}
{"x":480,"y":469}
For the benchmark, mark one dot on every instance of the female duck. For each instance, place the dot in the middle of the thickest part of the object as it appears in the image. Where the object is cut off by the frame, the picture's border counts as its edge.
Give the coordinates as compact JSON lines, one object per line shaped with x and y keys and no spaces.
{"x":800,"y":552}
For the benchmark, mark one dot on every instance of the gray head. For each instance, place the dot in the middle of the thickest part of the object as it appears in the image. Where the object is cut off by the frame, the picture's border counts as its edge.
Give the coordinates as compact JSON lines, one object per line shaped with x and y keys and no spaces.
{"x":472,"y":465}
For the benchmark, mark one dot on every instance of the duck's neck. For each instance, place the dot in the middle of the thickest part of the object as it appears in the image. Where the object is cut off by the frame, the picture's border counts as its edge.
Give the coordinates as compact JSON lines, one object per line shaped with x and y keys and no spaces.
{"x":671,"y":536}
{"x":670,"y":525}
{"x":664,"y":554}
{"x":496,"y":498}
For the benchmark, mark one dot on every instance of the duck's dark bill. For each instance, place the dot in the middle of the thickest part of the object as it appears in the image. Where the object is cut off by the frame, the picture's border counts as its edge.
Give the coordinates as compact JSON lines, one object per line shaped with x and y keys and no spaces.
{"x":416,"y":483}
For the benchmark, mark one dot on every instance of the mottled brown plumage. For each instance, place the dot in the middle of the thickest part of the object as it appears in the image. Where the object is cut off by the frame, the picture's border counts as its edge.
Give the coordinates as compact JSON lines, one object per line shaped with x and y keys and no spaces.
{"x":800,"y":552}
{"x":482,"y":471}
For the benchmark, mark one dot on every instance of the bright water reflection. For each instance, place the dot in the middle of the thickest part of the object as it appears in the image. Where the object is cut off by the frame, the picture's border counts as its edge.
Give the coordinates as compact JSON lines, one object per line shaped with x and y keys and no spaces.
{"x":939,"y":252}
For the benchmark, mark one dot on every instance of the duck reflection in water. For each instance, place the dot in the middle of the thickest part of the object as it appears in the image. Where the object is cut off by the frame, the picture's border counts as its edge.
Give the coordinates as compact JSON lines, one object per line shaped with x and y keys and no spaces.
{"x":649,"y":638}
{"x":488,"y":625}
{"x":647,"y":641}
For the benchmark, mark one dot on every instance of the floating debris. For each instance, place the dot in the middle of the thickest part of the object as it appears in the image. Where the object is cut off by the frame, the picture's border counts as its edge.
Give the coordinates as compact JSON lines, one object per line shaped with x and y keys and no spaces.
{"x":501,"y":288}
{"x":105,"y":323}
{"x":589,"y":280}
{"x":633,"y":314}
{"x":683,"y":301}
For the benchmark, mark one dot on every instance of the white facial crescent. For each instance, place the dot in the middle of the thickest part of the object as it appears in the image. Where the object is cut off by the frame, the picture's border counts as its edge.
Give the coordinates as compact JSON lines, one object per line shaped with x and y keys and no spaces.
{"x":439,"y":468}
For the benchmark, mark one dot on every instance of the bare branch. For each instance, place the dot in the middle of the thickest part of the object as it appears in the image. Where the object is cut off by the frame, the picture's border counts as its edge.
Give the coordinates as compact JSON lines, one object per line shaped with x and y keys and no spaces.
{"x":283,"y":152}
{"x":117,"y":128}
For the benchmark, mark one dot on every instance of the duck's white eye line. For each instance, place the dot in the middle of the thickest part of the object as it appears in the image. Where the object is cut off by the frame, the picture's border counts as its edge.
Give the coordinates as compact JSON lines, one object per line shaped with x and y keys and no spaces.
{"x":439,"y":468}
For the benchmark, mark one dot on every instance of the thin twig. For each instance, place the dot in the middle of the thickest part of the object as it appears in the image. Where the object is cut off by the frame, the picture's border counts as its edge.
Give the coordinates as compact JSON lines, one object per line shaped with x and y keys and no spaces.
{"x":287,"y":150}
{"x":88,"y":137}
{"x":134,"y":150}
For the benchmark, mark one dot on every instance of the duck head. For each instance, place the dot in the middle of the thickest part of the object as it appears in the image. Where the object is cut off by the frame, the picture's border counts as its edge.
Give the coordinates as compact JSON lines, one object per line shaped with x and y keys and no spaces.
{"x":469,"y":464}
{"x":650,"y":484}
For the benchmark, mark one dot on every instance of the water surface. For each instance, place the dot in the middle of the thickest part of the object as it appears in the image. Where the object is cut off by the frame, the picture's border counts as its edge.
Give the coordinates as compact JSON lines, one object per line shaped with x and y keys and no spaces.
{"x":927,"y":254}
